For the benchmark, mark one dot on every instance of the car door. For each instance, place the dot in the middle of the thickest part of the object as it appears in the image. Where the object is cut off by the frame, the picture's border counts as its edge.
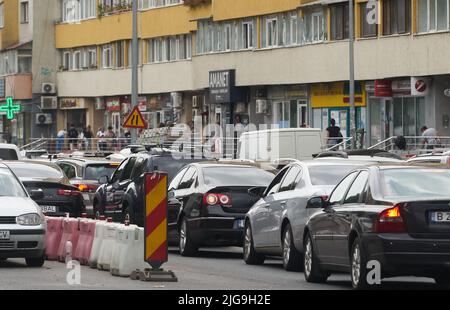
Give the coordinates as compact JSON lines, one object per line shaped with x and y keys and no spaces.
{"x":343,"y":216}
{"x":173,"y":203}
{"x":120,"y":186}
{"x":110,"y":188}
{"x":279,"y":204}
{"x":182,"y":193}
{"x":260,"y":223}
{"x":323,"y":224}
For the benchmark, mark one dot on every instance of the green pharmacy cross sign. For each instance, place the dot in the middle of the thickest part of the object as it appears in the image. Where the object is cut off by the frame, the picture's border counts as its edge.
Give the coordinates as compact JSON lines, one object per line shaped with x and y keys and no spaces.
{"x":10,"y":108}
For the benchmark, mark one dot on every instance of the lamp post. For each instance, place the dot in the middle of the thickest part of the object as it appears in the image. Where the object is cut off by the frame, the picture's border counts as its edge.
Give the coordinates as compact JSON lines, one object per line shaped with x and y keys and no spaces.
{"x":351,"y":38}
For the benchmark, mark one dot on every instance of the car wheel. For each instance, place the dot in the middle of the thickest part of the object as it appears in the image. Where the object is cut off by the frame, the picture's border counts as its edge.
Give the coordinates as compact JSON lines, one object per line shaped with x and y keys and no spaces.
{"x":186,"y":246}
{"x":35,"y":261}
{"x":312,"y":270}
{"x":97,"y":210}
{"x":292,"y":259}
{"x":125,"y":214}
{"x":358,"y":263}
{"x":251,"y":257}
{"x":442,"y":281}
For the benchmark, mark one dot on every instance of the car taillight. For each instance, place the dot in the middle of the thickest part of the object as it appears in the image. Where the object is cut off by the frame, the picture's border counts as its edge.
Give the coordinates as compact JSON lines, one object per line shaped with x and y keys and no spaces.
{"x":67,"y":192}
{"x":390,"y":221}
{"x":86,"y":187}
{"x":214,"y":199}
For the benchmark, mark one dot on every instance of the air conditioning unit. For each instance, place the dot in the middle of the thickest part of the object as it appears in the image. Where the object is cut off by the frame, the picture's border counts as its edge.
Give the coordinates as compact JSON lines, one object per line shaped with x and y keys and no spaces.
{"x":44,"y":119}
{"x":196,"y":102}
{"x":49,"y":103}
{"x":48,"y":88}
{"x":261,"y":106}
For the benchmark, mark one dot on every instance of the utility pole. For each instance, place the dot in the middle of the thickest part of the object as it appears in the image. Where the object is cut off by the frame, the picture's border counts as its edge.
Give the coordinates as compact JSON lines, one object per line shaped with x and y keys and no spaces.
{"x":134,"y":66}
{"x":351,"y":40}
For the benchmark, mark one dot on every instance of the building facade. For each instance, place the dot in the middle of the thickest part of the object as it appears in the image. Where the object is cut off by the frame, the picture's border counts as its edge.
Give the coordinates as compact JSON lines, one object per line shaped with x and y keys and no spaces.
{"x":268,"y":62}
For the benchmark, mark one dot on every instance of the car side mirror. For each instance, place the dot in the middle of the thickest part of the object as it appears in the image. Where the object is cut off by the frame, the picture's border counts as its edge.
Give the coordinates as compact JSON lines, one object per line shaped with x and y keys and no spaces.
{"x":171,"y":194}
{"x":104,"y":179}
{"x":317,"y":203}
{"x":257,"y":191}
{"x":37,"y":194}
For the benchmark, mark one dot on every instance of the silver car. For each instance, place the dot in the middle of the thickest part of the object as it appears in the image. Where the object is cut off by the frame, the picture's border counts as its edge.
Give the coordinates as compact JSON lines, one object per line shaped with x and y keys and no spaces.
{"x":22,"y":224}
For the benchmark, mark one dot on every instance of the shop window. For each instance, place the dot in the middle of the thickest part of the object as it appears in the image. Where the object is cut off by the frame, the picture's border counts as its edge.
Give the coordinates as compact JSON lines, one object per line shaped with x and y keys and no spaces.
{"x":367,"y":29}
{"x":339,"y":21}
{"x":408,"y":116}
{"x":433,"y":15}
{"x":396,"y":16}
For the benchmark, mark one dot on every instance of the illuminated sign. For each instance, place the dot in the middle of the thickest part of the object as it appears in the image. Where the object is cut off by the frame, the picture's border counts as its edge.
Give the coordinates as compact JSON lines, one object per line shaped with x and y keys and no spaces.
{"x":10,"y":108}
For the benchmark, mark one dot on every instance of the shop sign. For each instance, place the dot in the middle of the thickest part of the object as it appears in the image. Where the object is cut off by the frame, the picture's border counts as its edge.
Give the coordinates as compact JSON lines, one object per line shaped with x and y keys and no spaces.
{"x":142,"y":104}
{"x":297,"y":92}
{"x":383,"y":88}
{"x":329,"y":95}
{"x":113,"y":105}
{"x":71,"y":103}
{"x":222,"y":86}
{"x":100,"y":104}
{"x":419,"y":86}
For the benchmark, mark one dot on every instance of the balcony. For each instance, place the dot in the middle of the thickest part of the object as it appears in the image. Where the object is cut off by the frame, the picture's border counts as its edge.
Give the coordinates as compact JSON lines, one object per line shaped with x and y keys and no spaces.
{"x":18,"y":86}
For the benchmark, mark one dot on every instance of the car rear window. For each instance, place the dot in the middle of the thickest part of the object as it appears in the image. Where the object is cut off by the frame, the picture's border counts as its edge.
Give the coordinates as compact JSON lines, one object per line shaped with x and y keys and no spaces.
{"x":415,"y":183}
{"x":329,"y":175}
{"x":169,"y":165}
{"x":9,"y":186}
{"x":29,"y":170}
{"x":95,"y":172}
{"x":8,"y":154}
{"x":236,"y":176}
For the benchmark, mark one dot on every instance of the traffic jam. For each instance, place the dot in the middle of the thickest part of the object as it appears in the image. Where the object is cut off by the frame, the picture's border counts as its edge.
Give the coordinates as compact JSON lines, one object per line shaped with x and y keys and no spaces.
{"x":370,"y":214}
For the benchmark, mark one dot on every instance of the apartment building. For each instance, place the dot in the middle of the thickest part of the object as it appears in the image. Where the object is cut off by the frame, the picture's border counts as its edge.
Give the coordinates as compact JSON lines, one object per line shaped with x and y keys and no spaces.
{"x":279,"y":62}
{"x":28,"y":65}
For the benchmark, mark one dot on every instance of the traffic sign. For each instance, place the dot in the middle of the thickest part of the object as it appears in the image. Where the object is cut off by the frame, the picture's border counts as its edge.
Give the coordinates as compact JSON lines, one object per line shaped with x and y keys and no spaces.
{"x":10,"y":108}
{"x":135,"y":120}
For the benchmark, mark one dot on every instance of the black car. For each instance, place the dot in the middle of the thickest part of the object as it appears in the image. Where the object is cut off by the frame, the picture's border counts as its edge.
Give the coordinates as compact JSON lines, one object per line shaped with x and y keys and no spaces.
{"x":84,"y":173}
{"x":208,"y":203}
{"x":394,"y":215}
{"x":121,"y":195}
{"x":59,"y":196}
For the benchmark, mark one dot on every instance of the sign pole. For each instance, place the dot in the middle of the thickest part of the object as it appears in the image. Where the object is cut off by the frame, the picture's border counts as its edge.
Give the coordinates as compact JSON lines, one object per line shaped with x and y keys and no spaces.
{"x":134,"y":68}
{"x":351,"y":38}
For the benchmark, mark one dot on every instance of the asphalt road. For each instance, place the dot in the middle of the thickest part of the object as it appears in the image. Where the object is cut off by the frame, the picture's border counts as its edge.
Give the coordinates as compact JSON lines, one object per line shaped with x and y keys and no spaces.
{"x":218,"y":268}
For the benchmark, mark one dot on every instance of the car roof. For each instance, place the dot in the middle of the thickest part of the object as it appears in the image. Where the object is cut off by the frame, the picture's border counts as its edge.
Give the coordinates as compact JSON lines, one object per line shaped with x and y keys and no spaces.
{"x":211,"y":164}
{"x":387,"y":166}
{"x":8,"y":146}
{"x":335,"y":162}
{"x":31,"y":162}
{"x":86,"y":161}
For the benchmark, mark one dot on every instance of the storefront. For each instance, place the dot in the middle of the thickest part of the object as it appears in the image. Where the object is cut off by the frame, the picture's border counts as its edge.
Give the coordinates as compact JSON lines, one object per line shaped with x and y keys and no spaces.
{"x":289,"y":106}
{"x":331,"y":101}
{"x":80,"y":112}
{"x":157,"y":110}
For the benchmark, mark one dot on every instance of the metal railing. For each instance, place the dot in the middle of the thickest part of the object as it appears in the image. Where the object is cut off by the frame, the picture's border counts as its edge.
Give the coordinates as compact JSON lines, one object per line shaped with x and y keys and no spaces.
{"x":344,"y":145}
{"x":68,"y":145}
{"x":413,"y":145}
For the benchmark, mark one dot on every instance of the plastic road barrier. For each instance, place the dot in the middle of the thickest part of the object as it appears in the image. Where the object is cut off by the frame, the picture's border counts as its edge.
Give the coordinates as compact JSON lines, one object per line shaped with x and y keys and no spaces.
{"x":85,"y":241}
{"x":70,"y":233}
{"x":100,"y":227}
{"x":53,"y":237}
{"x":106,"y":248}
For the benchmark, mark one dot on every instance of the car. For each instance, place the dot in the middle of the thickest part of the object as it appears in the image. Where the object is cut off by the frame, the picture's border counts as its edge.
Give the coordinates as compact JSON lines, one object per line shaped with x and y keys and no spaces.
{"x":59,"y":196}
{"x":208,"y":202}
{"x":439,"y":158}
{"x":84,"y":173}
{"x":121,"y":195}
{"x":274,"y":225}
{"x":397,"y":216}
{"x":374,"y":155}
{"x":22,"y":224}
{"x":9,"y":152}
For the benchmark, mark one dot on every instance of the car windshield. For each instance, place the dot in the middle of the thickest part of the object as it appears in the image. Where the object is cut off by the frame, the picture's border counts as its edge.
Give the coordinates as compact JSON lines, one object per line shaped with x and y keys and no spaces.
{"x":236,"y":176}
{"x":9,"y":186}
{"x":8,"y":154}
{"x":329,"y":175}
{"x":32,"y":170}
{"x":409,"y":183}
{"x":94,"y":172}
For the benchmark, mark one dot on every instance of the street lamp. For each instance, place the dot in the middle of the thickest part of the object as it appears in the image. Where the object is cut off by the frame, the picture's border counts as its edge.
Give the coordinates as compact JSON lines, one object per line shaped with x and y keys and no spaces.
{"x":351,"y":38}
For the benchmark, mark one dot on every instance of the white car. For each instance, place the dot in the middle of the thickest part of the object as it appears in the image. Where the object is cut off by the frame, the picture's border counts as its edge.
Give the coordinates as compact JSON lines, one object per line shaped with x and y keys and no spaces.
{"x":435,"y":158}
{"x":9,"y":152}
{"x":22,"y":224}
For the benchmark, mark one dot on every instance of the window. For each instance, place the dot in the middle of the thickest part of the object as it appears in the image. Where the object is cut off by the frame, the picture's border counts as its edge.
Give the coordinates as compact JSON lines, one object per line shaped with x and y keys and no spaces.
{"x":106,"y":56}
{"x":2,"y":14}
{"x":75,"y":10}
{"x":174,"y":184}
{"x":188,"y":179}
{"x":126,"y":175}
{"x":275,"y":185}
{"x":317,"y":33}
{"x":272,"y":32}
{"x":120,"y":54}
{"x":66,"y":60}
{"x":356,"y":193}
{"x":247,"y":35}
{"x":433,"y":15}
{"x":396,"y":16}
{"x":69,"y":171}
{"x":169,"y":48}
{"x":227,"y":37}
{"x":339,"y":192}
{"x":24,"y":63}
{"x":118,"y":173}
{"x":148,"y":4}
{"x":139,"y":168}
{"x":339,"y":21}
{"x":76,"y":60}
{"x":92,"y":57}
{"x":367,"y":30}
{"x":293,"y":29}
{"x":289,"y":181}
{"x":24,"y":18}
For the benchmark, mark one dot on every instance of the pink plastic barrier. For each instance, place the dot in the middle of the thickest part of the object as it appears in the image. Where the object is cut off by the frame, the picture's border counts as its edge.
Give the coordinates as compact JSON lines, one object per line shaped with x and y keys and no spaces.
{"x":70,"y":233}
{"x":85,"y":239}
{"x":53,"y":237}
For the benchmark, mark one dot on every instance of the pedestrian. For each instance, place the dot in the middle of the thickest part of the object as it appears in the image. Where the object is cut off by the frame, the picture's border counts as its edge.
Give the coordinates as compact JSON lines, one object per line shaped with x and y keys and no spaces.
{"x":111,"y":136}
{"x":73,"y":136}
{"x":334,"y":135}
{"x":60,"y":140}
{"x":430,"y":140}
{"x":88,"y":135}
{"x":101,"y":139}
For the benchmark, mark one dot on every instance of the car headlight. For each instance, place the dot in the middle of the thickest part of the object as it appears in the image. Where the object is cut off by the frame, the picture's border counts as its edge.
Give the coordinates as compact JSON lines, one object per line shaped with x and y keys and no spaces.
{"x":32,"y":219}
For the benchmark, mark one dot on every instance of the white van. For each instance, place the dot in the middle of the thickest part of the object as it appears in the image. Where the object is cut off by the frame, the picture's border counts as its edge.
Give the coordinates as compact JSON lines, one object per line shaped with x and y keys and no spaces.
{"x":9,"y":152}
{"x":275,"y":144}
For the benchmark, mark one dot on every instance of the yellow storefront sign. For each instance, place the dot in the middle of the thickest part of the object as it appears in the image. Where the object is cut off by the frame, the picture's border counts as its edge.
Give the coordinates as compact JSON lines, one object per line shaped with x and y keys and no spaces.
{"x":331,"y":95}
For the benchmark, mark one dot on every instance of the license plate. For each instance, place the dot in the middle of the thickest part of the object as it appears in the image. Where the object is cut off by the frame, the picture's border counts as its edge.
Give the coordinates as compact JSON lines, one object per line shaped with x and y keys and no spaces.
{"x":48,"y":209}
{"x":4,"y":234}
{"x":239,"y":223}
{"x":440,"y":217}
{"x":86,"y":196}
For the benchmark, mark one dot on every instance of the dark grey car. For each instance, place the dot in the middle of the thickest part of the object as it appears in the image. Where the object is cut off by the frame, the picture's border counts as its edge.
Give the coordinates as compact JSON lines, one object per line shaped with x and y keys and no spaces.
{"x":275,"y":224}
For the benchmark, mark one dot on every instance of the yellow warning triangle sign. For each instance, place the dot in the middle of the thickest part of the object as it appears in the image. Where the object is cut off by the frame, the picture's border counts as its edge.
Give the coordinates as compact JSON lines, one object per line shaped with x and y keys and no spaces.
{"x":135,"y":120}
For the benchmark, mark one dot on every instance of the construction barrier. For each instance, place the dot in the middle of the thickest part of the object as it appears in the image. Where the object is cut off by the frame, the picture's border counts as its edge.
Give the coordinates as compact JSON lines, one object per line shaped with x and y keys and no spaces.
{"x":106,"y":248}
{"x":85,"y":240}
{"x":69,"y":233}
{"x":53,"y":237}
{"x":97,"y":243}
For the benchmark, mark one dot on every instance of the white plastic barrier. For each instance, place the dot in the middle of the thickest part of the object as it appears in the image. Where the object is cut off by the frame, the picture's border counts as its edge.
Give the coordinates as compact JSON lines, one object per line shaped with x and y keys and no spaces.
{"x":107,"y":246}
{"x":128,"y":253}
{"x":100,"y":228}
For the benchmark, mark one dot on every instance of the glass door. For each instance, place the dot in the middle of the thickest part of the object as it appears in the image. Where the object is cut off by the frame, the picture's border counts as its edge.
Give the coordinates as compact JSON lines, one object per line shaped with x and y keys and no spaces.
{"x":116,"y":123}
{"x":342,"y":118}
{"x":302,"y":113}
